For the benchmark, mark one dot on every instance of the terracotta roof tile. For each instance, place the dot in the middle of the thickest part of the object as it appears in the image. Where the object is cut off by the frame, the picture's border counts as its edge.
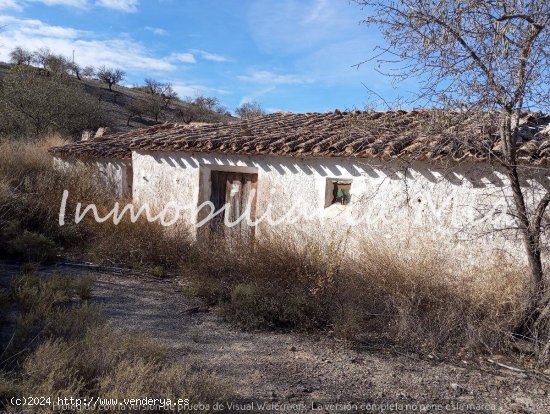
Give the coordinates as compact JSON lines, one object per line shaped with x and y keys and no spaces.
{"x":416,"y":134}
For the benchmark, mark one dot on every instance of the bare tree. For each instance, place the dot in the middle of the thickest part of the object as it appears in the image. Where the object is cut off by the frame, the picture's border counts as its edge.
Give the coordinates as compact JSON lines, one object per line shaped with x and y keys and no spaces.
{"x":110,"y":76}
{"x":209,"y":104}
{"x":160,"y":95}
{"x":249,"y":110}
{"x":21,"y":56}
{"x":88,"y":72}
{"x":58,"y":63}
{"x":41,"y":57}
{"x":201,"y":109}
{"x":137,"y":107}
{"x":75,"y":69}
{"x":485,"y":56}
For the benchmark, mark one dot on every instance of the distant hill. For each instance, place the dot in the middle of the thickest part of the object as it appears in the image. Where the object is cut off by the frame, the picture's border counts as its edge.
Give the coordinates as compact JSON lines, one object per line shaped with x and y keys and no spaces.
{"x":118,"y":106}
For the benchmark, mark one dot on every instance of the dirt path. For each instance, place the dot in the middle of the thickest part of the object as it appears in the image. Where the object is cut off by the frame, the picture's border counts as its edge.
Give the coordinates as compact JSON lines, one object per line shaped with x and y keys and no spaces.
{"x":281,"y":368}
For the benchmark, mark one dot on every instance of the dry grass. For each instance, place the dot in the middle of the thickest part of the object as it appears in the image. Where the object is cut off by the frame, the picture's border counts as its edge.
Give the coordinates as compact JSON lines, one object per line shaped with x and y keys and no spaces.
{"x":418,"y":298}
{"x":65,"y":349}
{"x":31,"y":190}
{"x":114,"y":365}
{"x":412,"y":298}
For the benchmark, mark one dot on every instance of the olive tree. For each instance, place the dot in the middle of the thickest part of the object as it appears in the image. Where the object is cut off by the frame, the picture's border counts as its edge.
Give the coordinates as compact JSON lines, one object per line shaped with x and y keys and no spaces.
{"x":488,"y":55}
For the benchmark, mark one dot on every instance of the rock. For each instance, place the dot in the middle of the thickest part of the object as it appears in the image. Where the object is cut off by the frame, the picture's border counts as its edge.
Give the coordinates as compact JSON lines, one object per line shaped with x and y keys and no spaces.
{"x":86,"y":135}
{"x":101,"y":133}
{"x":498,"y":358}
{"x":292,"y":349}
{"x":457,"y":388}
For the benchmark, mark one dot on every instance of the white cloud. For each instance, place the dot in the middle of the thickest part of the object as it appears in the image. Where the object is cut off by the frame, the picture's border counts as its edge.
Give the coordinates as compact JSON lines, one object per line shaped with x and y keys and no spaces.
{"x":10,"y":4}
{"x":80,"y":4}
{"x":264,"y":76}
{"x":89,"y":50}
{"x":129,"y":6}
{"x":156,"y":30}
{"x":212,"y":56}
{"x":34,"y":27}
{"x":193,"y":89}
{"x":320,"y":12}
{"x":182,"y":57}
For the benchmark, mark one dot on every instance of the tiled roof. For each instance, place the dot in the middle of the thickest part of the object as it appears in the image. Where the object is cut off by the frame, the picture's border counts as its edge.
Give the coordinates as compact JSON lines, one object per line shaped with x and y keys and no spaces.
{"x":415,"y":134}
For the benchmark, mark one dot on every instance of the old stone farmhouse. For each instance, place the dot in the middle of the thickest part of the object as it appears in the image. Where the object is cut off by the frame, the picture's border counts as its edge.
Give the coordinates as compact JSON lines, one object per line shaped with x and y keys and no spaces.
{"x":399,"y":175}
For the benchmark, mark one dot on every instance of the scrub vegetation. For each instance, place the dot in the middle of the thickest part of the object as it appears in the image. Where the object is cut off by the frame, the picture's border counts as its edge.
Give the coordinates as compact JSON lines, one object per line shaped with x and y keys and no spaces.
{"x":387,"y":295}
{"x":414,"y":299}
{"x":61,"y":347}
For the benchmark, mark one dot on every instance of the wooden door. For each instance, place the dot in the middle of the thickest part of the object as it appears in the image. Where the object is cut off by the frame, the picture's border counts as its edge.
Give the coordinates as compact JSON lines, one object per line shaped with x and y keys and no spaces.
{"x":237,"y":192}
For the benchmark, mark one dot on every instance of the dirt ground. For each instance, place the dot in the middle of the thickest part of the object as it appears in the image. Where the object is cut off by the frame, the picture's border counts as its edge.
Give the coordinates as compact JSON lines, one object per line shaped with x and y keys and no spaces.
{"x":291,"y":372}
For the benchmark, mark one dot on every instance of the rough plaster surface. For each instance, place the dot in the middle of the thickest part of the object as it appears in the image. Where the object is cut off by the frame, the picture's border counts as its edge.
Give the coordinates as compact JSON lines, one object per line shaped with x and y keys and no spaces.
{"x":453,"y":206}
{"x":114,"y":175}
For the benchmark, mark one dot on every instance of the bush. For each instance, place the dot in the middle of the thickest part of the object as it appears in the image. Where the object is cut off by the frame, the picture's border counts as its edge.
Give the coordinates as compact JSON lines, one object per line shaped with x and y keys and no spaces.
{"x":83,"y":286}
{"x":114,"y":365}
{"x":419,"y":299}
{"x":78,"y":355}
{"x":260,"y":306}
{"x":30,"y":196}
{"x":35,"y":102}
{"x":33,"y":247}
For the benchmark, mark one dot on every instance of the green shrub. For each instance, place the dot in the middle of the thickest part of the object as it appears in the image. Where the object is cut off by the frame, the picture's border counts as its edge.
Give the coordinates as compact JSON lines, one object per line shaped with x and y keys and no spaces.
{"x":46,"y":308}
{"x":72,"y":322}
{"x":83,"y":286}
{"x":33,"y":247}
{"x":40,"y":294}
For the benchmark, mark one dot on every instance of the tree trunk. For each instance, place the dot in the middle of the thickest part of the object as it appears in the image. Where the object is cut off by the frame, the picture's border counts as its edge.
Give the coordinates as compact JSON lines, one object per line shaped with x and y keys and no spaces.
{"x":531,"y":235}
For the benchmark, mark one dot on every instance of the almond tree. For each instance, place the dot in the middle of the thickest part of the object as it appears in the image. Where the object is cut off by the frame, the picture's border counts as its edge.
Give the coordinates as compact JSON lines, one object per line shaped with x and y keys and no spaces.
{"x":21,"y":56}
{"x":249,"y":110}
{"x":490,"y":55}
{"x":110,"y":76}
{"x":160,"y":95}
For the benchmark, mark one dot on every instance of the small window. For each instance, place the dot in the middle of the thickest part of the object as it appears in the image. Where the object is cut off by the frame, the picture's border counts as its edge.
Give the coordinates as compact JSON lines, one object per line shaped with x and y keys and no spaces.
{"x":338,"y":192}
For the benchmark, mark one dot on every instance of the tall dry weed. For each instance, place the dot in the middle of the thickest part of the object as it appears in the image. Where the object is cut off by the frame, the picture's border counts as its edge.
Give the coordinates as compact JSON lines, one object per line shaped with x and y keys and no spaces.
{"x":418,"y":298}
{"x":31,"y":190}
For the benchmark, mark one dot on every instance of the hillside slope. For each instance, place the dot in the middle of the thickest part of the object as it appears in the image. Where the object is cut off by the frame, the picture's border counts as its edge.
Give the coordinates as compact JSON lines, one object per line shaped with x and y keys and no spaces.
{"x":118,"y":106}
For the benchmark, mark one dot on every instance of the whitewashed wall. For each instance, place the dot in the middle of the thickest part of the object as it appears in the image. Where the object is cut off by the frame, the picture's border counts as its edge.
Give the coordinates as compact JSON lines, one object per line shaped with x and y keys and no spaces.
{"x":113,"y":174}
{"x":402,"y":202}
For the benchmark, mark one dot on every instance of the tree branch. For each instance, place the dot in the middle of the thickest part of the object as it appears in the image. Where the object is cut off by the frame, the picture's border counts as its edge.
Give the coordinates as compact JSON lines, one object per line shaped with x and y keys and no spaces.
{"x":539,"y":214}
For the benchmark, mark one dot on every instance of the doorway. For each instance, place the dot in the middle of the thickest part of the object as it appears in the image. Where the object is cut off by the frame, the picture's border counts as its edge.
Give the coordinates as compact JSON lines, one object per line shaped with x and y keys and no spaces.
{"x":237,"y":192}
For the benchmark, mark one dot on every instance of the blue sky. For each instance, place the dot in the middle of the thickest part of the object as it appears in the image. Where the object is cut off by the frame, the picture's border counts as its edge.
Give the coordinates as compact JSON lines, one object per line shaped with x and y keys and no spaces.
{"x":291,"y":55}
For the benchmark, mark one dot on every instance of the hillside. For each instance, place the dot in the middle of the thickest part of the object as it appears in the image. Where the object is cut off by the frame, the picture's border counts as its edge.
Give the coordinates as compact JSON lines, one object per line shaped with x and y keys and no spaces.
{"x":118,"y":106}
